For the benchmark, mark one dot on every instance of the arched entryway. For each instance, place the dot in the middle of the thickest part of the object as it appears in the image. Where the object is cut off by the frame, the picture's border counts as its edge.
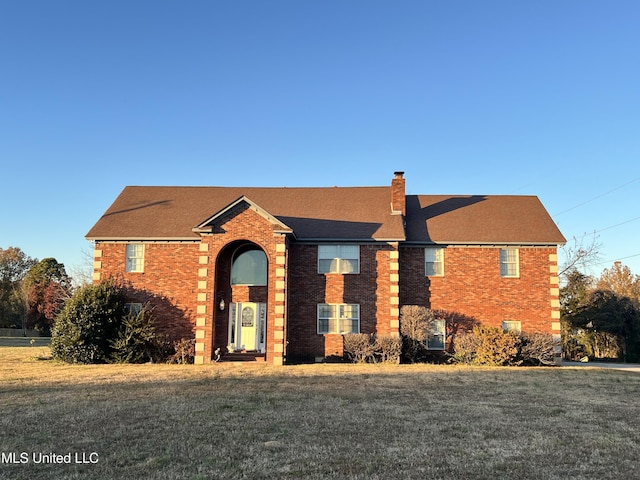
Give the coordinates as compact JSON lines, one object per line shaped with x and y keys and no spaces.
{"x":240,"y":324}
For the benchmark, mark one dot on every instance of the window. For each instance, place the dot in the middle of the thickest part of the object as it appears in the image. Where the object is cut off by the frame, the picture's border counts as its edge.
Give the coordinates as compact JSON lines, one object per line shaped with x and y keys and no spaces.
{"x":509,"y":264}
{"x":249,"y":266}
{"x":436,"y":340}
{"x":338,"y":318}
{"x":511,"y":326}
{"x":434,"y":261}
{"x":135,"y":257}
{"x":338,"y":258}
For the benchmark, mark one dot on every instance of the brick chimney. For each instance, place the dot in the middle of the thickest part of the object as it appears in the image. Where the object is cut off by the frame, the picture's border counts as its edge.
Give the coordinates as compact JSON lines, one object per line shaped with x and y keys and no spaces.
{"x":398,"y":198}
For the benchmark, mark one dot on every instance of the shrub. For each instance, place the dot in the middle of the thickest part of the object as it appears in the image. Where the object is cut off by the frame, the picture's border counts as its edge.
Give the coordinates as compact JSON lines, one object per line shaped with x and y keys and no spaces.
{"x":89,"y":321}
{"x":388,"y":348}
{"x":537,"y":349}
{"x":488,"y":346}
{"x":95,"y":327}
{"x":135,"y":338}
{"x":363,"y":348}
{"x":359,"y":347}
{"x":185,"y":351}
{"x":496,"y":347}
{"x":416,"y":324}
{"x":465,"y":348}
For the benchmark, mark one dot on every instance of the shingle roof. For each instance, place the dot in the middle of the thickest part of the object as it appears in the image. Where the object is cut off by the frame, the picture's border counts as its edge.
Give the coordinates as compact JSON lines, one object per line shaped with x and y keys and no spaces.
{"x":480,"y":219}
{"x":350,"y":213}
{"x":334,"y":213}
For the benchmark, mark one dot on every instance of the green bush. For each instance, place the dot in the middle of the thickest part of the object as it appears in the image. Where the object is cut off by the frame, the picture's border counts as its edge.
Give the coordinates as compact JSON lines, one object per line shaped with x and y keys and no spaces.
{"x":135,"y":340}
{"x":95,"y":327}
{"x":90,"y":320}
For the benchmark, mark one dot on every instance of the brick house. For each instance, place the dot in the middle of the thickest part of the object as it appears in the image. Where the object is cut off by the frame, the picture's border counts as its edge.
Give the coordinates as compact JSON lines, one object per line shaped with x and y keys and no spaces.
{"x":285,"y":272}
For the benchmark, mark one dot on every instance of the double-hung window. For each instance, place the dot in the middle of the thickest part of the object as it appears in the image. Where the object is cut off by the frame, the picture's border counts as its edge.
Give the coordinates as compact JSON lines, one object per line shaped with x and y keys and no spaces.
{"x":512,"y":326}
{"x":338,"y":318}
{"x":338,"y":258}
{"x":436,"y":340}
{"x":135,"y":257}
{"x":509,"y":263}
{"x":434,"y":261}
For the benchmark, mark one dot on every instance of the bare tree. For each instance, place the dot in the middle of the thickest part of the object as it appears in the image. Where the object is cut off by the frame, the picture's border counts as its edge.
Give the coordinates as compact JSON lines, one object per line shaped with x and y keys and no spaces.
{"x":82,"y":275}
{"x":583,"y":253}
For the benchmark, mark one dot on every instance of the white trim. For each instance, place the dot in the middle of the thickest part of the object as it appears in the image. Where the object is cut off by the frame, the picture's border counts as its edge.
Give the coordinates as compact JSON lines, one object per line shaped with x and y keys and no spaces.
{"x":338,"y":318}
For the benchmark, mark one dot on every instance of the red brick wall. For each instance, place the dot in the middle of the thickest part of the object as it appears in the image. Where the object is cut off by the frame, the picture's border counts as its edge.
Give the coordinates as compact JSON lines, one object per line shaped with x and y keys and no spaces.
{"x":168,"y":282}
{"x":472,"y":285}
{"x":307,"y":288}
{"x":241,"y":224}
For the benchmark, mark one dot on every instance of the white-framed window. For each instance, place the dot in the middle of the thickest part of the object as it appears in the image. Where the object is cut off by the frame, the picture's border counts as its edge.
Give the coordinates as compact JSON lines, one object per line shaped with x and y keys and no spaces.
{"x":338,"y":258}
{"x":135,"y":257}
{"x":436,"y":340}
{"x":509,"y":263}
{"x":338,"y":318}
{"x":512,"y":326}
{"x":434,"y":261}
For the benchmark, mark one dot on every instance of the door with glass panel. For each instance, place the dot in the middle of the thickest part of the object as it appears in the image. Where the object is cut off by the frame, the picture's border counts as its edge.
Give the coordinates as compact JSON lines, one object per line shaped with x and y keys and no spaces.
{"x":247,"y":327}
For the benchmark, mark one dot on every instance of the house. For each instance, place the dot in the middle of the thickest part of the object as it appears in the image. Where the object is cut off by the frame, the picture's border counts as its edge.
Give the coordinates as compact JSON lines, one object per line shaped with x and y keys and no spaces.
{"x":285,"y":272}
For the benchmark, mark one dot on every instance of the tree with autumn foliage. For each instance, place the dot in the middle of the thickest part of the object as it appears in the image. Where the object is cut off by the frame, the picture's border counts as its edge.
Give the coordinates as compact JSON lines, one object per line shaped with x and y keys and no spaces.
{"x":14,"y":265}
{"x":46,"y":288}
{"x":601,"y":317}
{"x":621,"y":281}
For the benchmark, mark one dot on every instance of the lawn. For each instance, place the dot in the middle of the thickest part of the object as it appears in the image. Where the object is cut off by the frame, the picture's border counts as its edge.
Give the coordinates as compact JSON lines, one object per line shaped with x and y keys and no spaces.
{"x":254,"y":421}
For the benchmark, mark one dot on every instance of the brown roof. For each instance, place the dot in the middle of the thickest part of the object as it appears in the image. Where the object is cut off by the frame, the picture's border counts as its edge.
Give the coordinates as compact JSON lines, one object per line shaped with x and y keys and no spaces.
{"x":350,"y":213}
{"x":334,"y":213}
{"x":479,"y":219}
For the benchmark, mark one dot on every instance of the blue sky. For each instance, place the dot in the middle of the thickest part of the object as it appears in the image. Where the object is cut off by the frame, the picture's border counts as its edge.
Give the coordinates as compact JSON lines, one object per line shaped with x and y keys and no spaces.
{"x":466,"y":97}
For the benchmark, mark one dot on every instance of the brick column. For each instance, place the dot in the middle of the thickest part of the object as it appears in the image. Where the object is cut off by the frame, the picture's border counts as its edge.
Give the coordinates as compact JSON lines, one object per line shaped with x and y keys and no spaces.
{"x":394,"y":291}
{"x":554,"y":294}
{"x":280,"y":305}
{"x":204,"y":317}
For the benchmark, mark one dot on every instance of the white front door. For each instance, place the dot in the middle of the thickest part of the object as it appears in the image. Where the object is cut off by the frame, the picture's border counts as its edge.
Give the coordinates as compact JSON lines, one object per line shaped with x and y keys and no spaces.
{"x":247,"y":322}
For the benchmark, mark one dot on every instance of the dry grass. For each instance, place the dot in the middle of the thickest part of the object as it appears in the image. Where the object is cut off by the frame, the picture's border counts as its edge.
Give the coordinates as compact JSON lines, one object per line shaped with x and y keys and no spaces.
{"x":317,"y":421}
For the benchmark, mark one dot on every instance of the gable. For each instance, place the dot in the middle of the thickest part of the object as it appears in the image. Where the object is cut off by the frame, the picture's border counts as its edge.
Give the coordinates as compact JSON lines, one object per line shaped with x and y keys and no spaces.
{"x":208,"y":225}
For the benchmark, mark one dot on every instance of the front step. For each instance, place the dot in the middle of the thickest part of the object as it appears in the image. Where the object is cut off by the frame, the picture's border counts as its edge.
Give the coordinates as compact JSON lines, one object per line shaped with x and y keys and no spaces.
{"x":243,"y":357}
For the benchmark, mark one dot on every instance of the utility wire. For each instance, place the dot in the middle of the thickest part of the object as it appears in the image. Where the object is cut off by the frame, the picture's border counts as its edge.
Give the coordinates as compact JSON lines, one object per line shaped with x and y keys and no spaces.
{"x":597,"y":197}
{"x":617,"y":259}
{"x":608,"y":228}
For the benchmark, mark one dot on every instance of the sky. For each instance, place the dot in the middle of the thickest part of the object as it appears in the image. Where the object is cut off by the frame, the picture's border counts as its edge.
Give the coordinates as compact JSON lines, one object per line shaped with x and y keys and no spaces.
{"x":466,"y":97}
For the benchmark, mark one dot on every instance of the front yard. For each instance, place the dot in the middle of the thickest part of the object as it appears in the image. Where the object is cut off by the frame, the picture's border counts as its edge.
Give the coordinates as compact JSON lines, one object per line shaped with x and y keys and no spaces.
{"x":313,"y":421}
